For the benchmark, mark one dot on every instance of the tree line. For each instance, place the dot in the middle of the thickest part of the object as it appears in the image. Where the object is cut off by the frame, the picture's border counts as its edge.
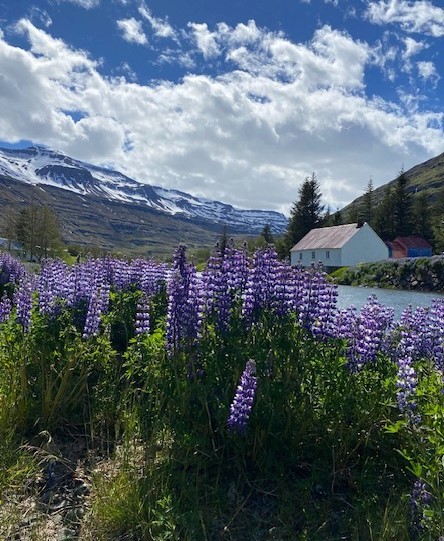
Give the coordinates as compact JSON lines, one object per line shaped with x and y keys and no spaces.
{"x":398,"y":213}
{"x":35,"y":227}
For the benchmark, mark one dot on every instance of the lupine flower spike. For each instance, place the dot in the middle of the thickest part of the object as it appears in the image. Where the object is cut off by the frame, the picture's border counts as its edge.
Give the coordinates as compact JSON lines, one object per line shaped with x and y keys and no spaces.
{"x":243,"y":400}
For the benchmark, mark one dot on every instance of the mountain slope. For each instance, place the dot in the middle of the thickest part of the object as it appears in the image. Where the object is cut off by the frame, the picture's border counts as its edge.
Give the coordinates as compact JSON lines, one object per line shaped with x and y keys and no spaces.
{"x":426,"y":177}
{"x":43,"y":167}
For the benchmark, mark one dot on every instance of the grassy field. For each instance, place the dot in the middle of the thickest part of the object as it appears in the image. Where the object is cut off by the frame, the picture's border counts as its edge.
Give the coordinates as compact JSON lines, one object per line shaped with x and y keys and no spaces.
{"x":150,"y":402}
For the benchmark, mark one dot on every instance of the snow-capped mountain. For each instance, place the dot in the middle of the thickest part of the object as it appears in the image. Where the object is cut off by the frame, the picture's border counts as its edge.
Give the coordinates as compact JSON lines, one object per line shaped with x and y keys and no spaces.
{"x":39,"y":165}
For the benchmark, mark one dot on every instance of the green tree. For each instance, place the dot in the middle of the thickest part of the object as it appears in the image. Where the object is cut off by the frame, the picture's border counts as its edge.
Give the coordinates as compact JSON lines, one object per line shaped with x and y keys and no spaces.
{"x":368,"y":213}
{"x":353,"y":215}
{"x":306,"y":213}
{"x":267,"y":235}
{"x":403,"y":204}
{"x":27,"y":228}
{"x":38,"y":229}
{"x":337,"y":218}
{"x":48,"y":237}
{"x":422,"y":217}
{"x":8,"y":225}
{"x":384,"y":221}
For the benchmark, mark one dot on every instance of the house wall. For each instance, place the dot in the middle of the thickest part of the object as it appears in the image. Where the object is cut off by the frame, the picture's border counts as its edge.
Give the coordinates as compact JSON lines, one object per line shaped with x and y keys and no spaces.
{"x":398,"y":253}
{"x":419,"y":252}
{"x":320,"y":256}
{"x":364,"y":247}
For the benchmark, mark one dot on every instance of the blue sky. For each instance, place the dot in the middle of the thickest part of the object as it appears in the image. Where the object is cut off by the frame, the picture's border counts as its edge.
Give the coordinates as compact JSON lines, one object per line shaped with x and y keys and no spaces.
{"x":237,"y":100}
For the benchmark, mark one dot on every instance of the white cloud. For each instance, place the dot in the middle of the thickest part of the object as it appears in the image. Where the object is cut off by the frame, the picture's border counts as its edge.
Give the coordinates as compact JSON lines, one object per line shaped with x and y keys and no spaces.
{"x":132,"y":31}
{"x":427,"y":71}
{"x":419,"y":16}
{"x":161,"y":27}
{"x":87,"y":4}
{"x":412,"y":47}
{"x":247,"y":137}
{"x":205,"y":40}
{"x":40,"y":16}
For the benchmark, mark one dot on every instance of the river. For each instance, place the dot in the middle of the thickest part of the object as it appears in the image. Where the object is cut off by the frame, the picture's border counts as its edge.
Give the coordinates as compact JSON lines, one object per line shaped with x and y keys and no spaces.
{"x":395,"y":298}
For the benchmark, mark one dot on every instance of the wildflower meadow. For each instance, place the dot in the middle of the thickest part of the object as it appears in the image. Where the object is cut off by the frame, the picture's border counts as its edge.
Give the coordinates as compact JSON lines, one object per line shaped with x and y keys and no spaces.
{"x":237,"y":403}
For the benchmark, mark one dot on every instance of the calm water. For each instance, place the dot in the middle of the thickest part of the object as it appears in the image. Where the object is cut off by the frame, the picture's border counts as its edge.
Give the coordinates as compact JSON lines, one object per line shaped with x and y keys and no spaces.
{"x":390,"y":297}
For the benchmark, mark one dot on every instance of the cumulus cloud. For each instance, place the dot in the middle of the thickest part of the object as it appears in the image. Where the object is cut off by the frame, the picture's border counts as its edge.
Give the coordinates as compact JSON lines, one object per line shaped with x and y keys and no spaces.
{"x":248,"y":136}
{"x":205,"y":40}
{"x":161,"y":27}
{"x":419,"y":16}
{"x":132,"y":31}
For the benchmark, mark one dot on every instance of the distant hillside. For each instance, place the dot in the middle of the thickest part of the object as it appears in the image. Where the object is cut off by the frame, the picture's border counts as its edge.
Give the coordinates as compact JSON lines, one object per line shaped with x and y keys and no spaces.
{"x":426,"y":177}
{"x":104,"y":208}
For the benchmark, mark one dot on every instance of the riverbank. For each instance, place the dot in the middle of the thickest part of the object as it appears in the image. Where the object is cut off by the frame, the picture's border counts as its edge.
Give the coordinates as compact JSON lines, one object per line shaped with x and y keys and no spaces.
{"x":418,"y":274}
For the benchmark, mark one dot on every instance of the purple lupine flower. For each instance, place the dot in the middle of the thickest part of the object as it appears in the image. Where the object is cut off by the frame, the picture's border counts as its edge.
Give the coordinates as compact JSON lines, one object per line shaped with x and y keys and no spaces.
{"x":365,"y":332}
{"x":143,"y":315}
{"x":324,"y":325}
{"x":218,"y":283}
{"x":23,"y":302}
{"x":5,"y":308}
{"x":419,"y":503}
{"x":184,"y":310}
{"x":407,"y":380}
{"x":53,"y":286}
{"x":97,"y":305}
{"x":11,"y":270}
{"x":243,"y":399}
{"x":260,"y":290}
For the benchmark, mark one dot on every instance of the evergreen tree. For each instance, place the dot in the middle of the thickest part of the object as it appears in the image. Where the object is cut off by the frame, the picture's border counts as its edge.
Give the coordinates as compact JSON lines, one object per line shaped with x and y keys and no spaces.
{"x":337,"y":218}
{"x":306,"y":213}
{"x":384,"y":221}
{"x":267,"y":235}
{"x":368,"y":203}
{"x":403,"y":225}
{"x":353,"y":215}
{"x":422,"y":217}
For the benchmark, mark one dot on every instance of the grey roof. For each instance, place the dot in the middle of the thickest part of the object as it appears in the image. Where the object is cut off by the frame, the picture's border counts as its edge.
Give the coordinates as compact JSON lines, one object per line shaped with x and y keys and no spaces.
{"x":327,"y":237}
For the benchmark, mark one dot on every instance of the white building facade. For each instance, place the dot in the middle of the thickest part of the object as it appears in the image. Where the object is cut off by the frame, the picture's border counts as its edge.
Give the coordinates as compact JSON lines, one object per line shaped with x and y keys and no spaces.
{"x":339,"y":246}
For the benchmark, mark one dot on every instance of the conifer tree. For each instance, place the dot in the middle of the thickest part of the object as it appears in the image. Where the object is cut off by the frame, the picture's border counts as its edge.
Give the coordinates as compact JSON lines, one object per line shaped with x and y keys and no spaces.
{"x":402,"y":210}
{"x":384,"y":222}
{"x":266,"y":234}
{"x":422,"y":217}
{"x":306,"y":213}
{"x":368,"y":213}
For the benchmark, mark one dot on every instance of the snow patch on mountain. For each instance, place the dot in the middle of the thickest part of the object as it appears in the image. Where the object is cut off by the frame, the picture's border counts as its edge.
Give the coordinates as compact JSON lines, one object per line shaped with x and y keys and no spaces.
{"x":43,"y":166}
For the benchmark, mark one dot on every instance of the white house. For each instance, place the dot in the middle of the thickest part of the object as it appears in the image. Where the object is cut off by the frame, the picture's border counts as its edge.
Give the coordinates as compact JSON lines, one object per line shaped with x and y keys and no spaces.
{"x":339,"y":246}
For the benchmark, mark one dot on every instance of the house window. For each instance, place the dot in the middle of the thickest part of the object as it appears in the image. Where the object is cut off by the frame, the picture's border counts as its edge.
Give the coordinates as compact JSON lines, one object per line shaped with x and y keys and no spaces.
{"x":327,"y":254}
{"x":300,"y":256}
{"x":313,"y":255}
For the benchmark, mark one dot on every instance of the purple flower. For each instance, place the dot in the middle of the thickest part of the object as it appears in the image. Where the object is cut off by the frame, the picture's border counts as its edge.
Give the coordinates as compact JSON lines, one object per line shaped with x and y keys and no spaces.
{"x":5,"y":308}
{"x":11,"y":270}
{"x":365,"y":333}
{"x":243,"y":399}
{"x":97,"y":305}
{"x":419,"y":503}
{"x":23,"y":301}
{"x":185,"y":305}
{"x":143,"y":315}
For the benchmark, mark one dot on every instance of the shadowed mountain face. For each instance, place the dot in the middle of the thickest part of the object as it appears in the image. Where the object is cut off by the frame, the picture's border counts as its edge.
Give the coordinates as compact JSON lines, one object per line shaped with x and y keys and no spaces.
{"x":100,"y":207}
